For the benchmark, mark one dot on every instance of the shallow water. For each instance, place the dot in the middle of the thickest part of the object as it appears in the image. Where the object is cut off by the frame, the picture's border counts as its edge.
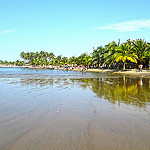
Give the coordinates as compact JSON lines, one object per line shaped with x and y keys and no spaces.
{"x":53,"y":109}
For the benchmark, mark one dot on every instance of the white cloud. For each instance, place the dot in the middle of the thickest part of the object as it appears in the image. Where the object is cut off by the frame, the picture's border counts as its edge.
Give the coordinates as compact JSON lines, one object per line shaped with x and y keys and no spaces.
{"x":6,"y":31}
{"x":133,"y":25}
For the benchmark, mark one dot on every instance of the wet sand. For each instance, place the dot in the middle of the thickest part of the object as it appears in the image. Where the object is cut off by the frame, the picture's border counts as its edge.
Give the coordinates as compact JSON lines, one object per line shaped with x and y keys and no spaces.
{"x":74,"y":114}
{"x":77,"y":128}
{"x":69,"y":131}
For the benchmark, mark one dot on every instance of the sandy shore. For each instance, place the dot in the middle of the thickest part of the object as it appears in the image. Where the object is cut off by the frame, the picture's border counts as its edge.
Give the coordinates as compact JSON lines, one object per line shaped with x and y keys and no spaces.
{"x":127,"y":71}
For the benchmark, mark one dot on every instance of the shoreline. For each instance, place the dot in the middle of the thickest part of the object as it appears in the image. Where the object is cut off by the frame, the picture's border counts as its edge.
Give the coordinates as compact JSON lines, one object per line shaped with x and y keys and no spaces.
{"x":131,"y":72}
{"x":115,"y":71}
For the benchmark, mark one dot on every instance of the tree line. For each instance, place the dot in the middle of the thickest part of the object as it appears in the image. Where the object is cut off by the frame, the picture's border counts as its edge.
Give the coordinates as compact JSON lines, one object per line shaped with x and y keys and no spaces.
{"x":129,"y":53}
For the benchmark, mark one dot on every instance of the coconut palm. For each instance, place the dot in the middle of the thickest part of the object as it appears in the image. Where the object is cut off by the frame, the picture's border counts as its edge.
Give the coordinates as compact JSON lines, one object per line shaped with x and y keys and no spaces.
{"x":59,"y":60}
{"x":52,"y":58}
{"x":83,"y":59}
{"x":109,"y":52}
{"x":22,"y":54}
{"x":72,"y":60}
{"x":98,"y":56}
{"x":124,"y":53}
{"x":141,"y":48}
{"x":147,"y":55}
{"x":64,"y":60}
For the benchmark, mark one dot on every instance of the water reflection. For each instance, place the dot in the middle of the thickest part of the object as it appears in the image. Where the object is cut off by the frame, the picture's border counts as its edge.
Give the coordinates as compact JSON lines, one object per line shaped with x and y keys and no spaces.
{"x":140,"y":82}
{"x":133,"y":91}
{"x":115,"y":89}
{"x":32,"y":81}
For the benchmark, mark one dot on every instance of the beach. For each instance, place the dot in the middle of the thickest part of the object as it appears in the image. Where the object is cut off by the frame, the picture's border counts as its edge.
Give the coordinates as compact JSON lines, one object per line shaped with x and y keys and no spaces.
{"x":137,"y":72}
{"x":74,"y":75}
{"x":67,"y":110}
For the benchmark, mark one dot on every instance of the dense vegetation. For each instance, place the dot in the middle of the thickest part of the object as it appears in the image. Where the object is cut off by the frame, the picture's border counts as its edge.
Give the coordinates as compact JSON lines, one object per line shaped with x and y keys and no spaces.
{"x":113,"y":55}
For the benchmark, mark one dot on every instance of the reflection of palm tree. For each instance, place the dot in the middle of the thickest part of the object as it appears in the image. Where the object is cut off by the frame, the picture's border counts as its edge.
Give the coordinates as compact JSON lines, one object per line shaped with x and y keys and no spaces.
{"x":124,"y":79}
{"x":123,"y":90}
{"x":112,"y":89}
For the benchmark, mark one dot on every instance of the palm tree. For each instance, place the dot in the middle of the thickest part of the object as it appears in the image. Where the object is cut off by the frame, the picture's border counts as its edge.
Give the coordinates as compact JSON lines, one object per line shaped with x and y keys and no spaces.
{"x":59,"y":60}
{"x":141,"y":48}
{"x":72,"y":60}
{"x":98,"y":56}
{"x":64,"y":60}
{"x":147,"y":55}
{"x":36,"y":55}
{"x":109,"y":52}
{"x":22,"y":54}
{"x":86,"y":59}
{"x":83,"y":59}
{"x":52,"y":58}
{"x":1,"y":62}
{"x":124,"y":53}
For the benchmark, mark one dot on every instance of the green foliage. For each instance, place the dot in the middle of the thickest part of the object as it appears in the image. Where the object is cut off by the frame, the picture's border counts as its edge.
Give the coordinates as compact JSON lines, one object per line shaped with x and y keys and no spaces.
{"x":19,"y":63}
{"x":124,"y":52}
{"x":136,"y":51}
{"x":98,"y":56}
{"x":83,"y":59}
{"x":109,"y":52}
{"x":142,"y":49}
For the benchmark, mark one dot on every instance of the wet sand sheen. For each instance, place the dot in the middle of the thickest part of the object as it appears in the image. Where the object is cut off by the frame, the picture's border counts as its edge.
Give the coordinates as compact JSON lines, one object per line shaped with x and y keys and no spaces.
{"x":67,"y":130}
{"x":74,"y":114}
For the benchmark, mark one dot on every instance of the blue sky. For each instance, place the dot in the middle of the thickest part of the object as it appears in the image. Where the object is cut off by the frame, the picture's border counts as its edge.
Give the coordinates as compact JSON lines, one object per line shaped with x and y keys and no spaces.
{"x":69,"y":27}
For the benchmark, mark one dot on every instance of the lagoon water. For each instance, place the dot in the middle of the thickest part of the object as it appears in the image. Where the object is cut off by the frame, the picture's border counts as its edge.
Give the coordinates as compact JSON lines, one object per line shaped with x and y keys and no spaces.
{"x":59,"y":110}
